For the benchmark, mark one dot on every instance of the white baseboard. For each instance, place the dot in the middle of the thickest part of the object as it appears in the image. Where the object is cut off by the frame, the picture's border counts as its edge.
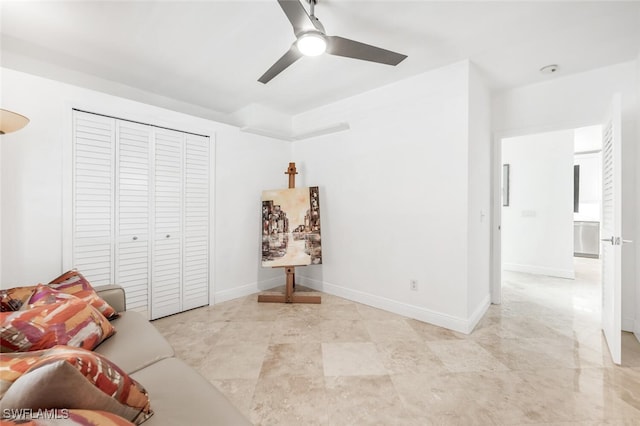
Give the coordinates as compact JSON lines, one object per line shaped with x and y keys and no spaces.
{"x":426,"y":315}
{"x":479,"y":312}
{"x":539,"y":270}
{"x":628,"y":325}
{"x":271,"y":283}
{"x":636,"y":329}
{"x":245,"y":290}
{"x":234,"y":293}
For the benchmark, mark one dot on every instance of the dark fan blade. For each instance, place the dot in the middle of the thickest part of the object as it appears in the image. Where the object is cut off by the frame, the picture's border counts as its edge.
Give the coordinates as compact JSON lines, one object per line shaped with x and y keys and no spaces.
{"x":353,"y":49}
{"x":297,"y":15}
{"x":292,"y":55}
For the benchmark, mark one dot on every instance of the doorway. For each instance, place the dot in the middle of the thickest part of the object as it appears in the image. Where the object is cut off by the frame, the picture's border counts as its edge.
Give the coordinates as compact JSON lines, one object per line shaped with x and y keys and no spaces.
{"x":551,"y":190}
{"x":537,"y":205}
{"x":579,"y":286}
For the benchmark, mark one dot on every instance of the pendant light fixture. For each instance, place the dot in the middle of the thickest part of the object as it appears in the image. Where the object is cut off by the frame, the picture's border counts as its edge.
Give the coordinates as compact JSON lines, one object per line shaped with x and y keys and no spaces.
{"x":11,"y":121}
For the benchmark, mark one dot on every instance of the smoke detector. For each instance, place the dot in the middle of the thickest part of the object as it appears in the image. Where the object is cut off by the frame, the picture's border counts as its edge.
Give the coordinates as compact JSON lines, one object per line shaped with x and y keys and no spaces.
{"x":549,"y":69}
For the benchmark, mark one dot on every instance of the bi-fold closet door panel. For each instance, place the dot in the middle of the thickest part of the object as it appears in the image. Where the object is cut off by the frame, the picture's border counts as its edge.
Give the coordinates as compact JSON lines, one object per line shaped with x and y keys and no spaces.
{"x":168,"y":191}
{"x":141,"y":212}
{"x":196,"y":221}
{"x":132,"y":245}
{"x":181,"y":222}
{"x":93,"y":196}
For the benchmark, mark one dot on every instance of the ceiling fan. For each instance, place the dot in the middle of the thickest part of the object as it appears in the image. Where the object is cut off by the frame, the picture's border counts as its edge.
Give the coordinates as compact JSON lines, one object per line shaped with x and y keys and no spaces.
{"x":312,"y":40}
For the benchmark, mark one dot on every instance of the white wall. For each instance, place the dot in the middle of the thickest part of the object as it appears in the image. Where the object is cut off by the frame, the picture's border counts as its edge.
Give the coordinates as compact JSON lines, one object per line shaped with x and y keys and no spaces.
{"x":568,"y":102}
{"x":32,"y":182}
{"x":575,"y":101}
{"x":246,"y":165}
{"x":590,"y":189}
{"x":537,"y":225}
{"x":588,"y":138}
{"x":587,"y":146}
{"x":35,"y":182}
{"x":395,"y":196}
{"x":637,"y":237}
{"x":479,"y":192}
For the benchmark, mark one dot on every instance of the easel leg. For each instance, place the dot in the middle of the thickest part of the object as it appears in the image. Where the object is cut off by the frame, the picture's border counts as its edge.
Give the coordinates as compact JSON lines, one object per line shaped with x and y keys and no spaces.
{"x":290,"y":284}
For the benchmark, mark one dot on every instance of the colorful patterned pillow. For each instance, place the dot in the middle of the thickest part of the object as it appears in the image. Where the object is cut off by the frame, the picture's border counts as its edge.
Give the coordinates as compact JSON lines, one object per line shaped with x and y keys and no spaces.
{"x":14,"y":298}
{"x":73,"y":282}
{"x":63,"y":320}
{"x":57,"y":417}
{"x":68,"y":378}
{"x":45,"y":295}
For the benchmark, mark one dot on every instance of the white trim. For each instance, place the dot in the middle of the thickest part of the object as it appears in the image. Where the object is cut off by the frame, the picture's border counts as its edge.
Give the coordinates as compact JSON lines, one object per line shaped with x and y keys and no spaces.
{"x":539,"y":270}
{"x":334,"y":128}
{"x":461,"y":325}
{"x":271,"y":283}
{"x":236,"y":292}
{"x":338,"y":127}
{"x":478,"y":314}
{"x":553,"y":127}
{"x":213,"y":146}
{"x":266,"y":132}
{"x":495,"y":261}
{"x":247,"y":289}
{"x":67,"y":188}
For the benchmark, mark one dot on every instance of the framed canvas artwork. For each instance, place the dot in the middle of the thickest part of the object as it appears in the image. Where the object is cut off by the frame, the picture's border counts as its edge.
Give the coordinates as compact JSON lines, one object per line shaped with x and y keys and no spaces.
{"x":291,"y":227}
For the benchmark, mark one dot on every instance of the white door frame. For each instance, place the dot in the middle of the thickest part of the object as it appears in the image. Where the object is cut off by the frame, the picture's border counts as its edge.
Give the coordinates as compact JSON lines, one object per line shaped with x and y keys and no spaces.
{"x":495,"y":268}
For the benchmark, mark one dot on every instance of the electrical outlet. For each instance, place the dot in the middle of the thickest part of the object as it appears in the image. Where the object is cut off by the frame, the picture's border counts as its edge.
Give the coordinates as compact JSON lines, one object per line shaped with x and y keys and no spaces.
{"x":413,"y":285}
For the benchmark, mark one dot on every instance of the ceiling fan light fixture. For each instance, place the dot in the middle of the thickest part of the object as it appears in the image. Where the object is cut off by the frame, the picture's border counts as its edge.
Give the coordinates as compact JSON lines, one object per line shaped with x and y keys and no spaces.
{"x":311,"y":40}
{"x":312,"y":44}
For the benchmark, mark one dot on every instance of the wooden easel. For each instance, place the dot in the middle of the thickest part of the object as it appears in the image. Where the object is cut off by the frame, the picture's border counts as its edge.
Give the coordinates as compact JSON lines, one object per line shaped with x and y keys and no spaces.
{"x":290,"y":296}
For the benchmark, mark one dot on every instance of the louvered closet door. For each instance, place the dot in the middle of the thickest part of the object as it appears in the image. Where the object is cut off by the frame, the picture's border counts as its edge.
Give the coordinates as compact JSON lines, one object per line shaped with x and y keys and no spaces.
{"x":93,"y":191}
{"x":166,"y":284}
{"x":195,"y":288}
{"x":132,"y":213}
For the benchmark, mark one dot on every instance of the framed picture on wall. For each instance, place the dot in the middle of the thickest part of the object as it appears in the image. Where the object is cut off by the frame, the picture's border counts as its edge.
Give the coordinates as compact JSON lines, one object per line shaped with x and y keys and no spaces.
{"x":576,"y":188}
{"x":505,"y":185}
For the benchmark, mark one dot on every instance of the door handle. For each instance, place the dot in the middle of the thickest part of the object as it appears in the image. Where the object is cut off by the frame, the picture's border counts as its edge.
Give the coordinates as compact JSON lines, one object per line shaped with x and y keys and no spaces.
{"x":616,"y":241}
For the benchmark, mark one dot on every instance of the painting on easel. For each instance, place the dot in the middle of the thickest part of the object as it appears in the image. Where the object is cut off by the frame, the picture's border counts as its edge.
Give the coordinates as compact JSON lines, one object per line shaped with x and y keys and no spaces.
{"x":291,"y":227}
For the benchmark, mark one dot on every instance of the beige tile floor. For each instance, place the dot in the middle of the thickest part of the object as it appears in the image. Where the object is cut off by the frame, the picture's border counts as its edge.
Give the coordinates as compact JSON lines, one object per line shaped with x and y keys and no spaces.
{"x":539,"y":358}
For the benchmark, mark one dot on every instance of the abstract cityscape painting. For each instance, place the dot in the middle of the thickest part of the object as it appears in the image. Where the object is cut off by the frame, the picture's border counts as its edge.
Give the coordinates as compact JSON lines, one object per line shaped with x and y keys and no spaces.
{"x":291,"y":227}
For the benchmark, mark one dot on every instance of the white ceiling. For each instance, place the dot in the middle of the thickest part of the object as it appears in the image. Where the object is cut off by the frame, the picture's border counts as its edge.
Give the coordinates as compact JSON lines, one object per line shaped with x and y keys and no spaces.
{"x":209,"y":54}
